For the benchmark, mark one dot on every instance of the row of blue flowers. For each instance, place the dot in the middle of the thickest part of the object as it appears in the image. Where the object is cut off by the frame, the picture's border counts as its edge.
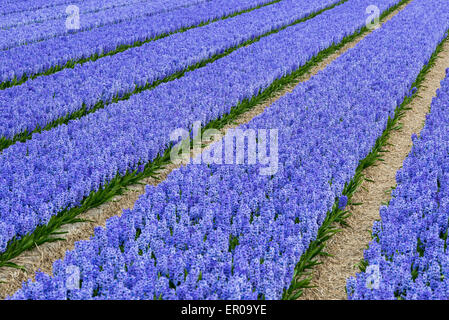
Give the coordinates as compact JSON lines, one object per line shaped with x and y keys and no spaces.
{"x":16,"y":19}
{"x":58,"y":168}
{"x":59,"y":50}
{"x":16,"y":6}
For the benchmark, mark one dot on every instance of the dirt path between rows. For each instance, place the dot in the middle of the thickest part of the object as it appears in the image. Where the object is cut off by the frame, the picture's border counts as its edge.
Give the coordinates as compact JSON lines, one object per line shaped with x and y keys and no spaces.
{"x":347,"y":246}
{"x":42,"y":257}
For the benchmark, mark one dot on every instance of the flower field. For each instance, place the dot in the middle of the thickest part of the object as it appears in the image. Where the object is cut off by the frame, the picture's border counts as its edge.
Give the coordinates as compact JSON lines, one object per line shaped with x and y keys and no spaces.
{"x":409,"y":245}
{"x":89,"y":112}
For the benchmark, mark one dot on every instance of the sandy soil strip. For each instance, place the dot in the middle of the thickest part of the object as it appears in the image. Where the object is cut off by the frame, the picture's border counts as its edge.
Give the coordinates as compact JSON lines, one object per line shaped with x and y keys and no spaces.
{"x":42,"y":257}
{"x":347,"y":246}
